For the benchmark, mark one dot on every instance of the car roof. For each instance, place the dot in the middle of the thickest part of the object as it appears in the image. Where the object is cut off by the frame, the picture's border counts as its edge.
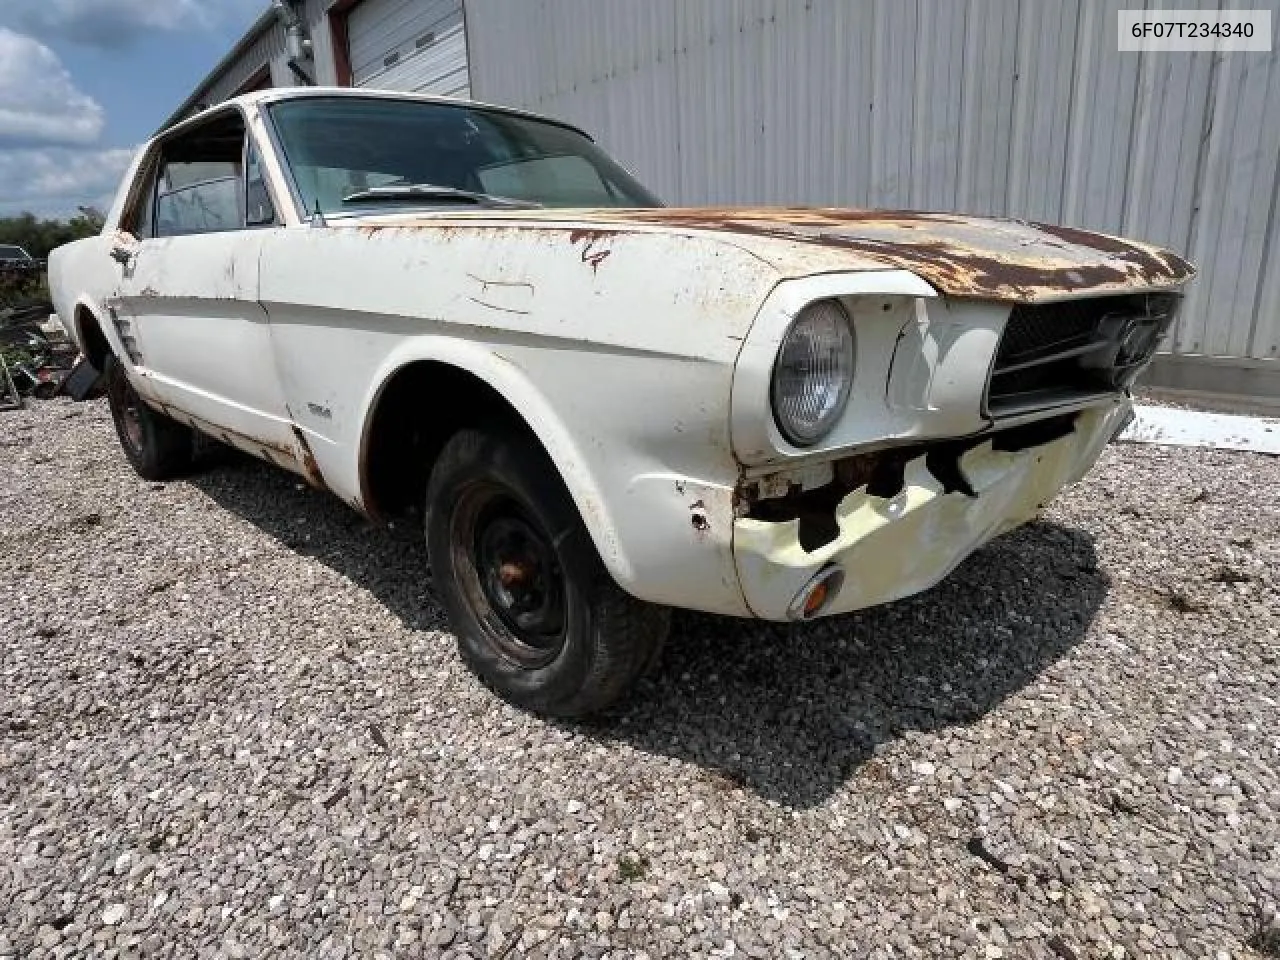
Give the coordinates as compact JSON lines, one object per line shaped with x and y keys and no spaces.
{"x":279,"y":94}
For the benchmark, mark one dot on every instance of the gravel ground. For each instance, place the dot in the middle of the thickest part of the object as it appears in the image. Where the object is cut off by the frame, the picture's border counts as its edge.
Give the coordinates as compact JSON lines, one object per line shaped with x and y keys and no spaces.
{"x":232,"y":722}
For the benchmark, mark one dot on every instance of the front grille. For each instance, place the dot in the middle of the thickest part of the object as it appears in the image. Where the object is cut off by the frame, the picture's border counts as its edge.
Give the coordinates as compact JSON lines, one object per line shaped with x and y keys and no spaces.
{"x":1058,"y":353}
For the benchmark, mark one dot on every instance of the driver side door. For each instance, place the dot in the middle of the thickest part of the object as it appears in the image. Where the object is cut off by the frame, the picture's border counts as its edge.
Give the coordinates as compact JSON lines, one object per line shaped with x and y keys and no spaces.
{"x":189,"y":289}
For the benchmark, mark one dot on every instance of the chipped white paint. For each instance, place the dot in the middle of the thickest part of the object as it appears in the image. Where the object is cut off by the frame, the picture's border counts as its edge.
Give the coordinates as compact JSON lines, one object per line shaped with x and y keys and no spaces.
{"x":1191,"y":428}
{"x":636,"y":345}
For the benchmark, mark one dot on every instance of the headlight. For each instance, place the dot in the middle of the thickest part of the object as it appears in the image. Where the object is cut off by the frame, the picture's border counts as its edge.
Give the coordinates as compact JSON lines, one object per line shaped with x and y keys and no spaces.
{"x":813,"y":373}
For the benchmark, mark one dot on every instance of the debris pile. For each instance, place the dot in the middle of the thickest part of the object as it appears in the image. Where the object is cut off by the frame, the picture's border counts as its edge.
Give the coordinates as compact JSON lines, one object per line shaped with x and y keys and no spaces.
{"x":35,"y":353}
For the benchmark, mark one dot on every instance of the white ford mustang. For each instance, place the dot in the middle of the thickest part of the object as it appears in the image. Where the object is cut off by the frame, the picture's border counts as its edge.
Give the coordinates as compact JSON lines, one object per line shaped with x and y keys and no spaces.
{"x":600,"y":407}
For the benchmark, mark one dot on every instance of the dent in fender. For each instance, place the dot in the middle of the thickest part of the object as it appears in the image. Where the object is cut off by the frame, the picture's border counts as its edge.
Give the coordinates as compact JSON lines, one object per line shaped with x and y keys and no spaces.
{"x":893,"y":547}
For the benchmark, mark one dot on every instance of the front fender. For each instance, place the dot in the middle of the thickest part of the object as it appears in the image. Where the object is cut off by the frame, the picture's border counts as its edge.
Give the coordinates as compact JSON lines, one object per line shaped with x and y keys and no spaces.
{"x":620,"y":362}
{"x":506,"y":378}
{"x":663,"y":529}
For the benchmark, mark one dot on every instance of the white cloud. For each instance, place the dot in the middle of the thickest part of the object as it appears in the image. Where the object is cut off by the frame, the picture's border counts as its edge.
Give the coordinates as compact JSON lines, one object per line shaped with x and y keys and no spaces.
{"x":39,"y":103}
{"x":50,"y":161}
{"x":106,"y":23}
{"x":54,"y":181}
{"x":112,"y":24}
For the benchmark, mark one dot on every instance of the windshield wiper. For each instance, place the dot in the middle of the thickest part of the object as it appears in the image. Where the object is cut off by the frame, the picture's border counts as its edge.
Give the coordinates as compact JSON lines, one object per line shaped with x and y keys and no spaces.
{"x":431,"y":191}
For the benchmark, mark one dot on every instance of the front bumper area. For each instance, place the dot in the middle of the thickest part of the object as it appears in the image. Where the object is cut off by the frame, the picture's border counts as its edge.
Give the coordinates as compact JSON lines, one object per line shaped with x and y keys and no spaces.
{"x":892,"y":547}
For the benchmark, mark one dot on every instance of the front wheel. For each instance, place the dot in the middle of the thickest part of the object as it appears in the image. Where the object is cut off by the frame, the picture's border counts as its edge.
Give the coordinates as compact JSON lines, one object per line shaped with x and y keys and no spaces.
{"x":537,"y":615}
{"x":157,"y":447}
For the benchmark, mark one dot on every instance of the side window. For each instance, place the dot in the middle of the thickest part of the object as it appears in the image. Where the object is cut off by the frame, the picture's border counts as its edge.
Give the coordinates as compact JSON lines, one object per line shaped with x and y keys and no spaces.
{"x":258,"y":211}
{"x":199,"y":197}
{"x":201,"y":185}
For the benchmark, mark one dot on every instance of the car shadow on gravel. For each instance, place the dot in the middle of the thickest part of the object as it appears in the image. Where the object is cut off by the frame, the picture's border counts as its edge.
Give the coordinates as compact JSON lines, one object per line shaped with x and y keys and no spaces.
{"x":791,"y":711}
{"x":788,"y":711}
{"x":389,"y":563}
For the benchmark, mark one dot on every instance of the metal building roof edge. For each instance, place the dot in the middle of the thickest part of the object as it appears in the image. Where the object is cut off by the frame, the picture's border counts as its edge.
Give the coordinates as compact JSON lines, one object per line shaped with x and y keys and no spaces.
{"x":265,"y":21}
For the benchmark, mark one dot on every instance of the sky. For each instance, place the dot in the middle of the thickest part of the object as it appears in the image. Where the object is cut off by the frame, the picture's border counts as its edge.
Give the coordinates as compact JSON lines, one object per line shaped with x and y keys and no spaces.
{"x":84,"y":82}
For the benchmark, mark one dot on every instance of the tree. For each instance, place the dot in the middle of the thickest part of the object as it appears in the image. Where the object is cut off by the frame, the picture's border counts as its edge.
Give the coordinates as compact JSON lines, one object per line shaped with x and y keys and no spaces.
{"x":38,"y":237}
{"x":21,"y":287}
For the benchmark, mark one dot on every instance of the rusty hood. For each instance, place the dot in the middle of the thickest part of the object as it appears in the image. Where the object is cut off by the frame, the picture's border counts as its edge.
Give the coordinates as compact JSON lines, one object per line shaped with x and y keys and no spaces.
{"x":986,"y":258}
{"x":961,"y":256}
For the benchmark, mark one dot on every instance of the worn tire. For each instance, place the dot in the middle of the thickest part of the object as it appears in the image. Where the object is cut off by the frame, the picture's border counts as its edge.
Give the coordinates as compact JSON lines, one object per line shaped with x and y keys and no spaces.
{"x":158,"y":448}
{"x":481,"y":482}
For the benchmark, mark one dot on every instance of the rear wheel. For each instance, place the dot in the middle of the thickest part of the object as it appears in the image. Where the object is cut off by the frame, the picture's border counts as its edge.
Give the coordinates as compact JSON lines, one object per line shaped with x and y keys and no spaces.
{"x":158,"y":448}
{"x":537,"y":615}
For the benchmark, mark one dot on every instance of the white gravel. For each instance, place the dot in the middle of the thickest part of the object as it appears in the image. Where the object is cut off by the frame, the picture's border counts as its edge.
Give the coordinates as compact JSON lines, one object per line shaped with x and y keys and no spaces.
{"x":232,"y":723}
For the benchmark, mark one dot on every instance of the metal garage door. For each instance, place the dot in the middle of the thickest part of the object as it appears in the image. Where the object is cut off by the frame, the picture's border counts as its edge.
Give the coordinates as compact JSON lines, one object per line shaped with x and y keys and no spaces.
{"x":415,"y":45}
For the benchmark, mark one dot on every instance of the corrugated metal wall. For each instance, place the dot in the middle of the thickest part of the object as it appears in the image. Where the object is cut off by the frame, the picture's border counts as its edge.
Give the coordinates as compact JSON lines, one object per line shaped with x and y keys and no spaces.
{"x":1017,"y":108}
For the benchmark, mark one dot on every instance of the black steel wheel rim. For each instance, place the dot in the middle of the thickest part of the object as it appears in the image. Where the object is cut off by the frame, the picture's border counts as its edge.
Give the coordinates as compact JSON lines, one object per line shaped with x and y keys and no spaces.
{"x":129,"y":405}
{"x":511,"y":574}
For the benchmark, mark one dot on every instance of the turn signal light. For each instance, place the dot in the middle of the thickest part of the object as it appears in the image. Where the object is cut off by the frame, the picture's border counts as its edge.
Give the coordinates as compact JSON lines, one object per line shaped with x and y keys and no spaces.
{"x":815,"y":595}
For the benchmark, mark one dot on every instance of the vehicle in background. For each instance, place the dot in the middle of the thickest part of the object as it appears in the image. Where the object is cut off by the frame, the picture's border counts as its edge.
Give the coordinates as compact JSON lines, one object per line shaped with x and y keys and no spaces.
{"x":15,"y":260}
{"x":600,"y":408}
{"x":14,"y":254}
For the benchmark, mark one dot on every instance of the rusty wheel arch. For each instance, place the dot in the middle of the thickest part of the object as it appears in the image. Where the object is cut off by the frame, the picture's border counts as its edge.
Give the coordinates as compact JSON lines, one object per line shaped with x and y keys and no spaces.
{"x":93,"y":342}
{"x":416,"y":410}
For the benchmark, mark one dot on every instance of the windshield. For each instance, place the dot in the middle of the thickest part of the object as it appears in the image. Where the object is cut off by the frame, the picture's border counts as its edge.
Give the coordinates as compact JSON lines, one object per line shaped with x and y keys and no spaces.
{"x":13,"y":253}
{"x":340,"y":148}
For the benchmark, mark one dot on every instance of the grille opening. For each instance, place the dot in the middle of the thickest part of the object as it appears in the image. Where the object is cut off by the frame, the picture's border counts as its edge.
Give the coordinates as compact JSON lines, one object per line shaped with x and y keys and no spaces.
{"x":1035,"y":434}
{"x":944,"y":464}
{"x":1058,"y":353}
{"x":883,"y":473}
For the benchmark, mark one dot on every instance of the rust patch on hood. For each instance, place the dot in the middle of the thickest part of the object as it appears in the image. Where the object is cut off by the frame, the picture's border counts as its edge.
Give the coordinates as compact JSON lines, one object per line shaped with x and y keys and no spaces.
{"x":592,"y":251}
{"x":579,"y":234}
{"x":961,"y":256}
{"x":986,"y":258}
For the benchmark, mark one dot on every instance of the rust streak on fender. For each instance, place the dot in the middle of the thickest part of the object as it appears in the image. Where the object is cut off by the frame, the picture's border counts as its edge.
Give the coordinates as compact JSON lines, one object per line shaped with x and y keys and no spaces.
{"x":592,"y":253}
{"x":309,"y":465}
{"x":594,"y":257}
